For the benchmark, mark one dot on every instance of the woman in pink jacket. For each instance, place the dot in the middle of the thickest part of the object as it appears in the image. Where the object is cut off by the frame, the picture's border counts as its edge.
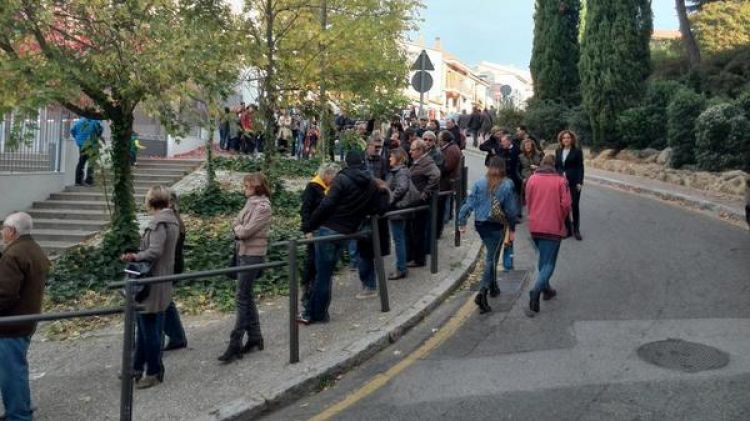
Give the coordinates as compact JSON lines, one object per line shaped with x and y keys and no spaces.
{"x":548,"y":202}
{"x":251,"y":236}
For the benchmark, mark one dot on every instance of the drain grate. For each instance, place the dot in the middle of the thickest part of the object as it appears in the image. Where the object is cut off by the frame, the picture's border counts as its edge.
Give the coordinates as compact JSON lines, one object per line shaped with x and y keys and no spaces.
{"x":676,"y":354}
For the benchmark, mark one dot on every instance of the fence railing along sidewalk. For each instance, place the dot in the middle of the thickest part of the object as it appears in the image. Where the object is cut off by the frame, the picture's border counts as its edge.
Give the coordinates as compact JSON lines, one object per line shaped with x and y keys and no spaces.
{"x":130,"y":307}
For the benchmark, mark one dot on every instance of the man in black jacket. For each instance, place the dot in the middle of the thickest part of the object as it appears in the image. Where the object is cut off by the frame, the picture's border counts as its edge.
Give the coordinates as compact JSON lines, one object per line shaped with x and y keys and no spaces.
{"x":353,"y":195}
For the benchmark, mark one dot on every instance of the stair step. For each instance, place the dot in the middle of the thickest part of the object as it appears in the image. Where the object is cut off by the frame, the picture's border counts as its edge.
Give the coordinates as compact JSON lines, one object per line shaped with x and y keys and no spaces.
{"x":56,"y":247}
{"x":71,"y":224}
{"x":88,"y":196}
{"x":100,"y":190}
{"x":61,"y":235}
{"x":186,"y":162}
{"x":156,"y":177}
{"x":176,"y":172}
{"x":72,"y":204}
{"x":69,"y":214}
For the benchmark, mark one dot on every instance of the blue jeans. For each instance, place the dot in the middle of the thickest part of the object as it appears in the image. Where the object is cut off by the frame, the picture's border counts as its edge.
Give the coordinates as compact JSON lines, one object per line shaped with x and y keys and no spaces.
{"x":353,"y":254}
{"x":14,"y":378}
{"x":366,"y":268}
{"x":326,"y":255}
{"x":398,"y":231}
{"x":547,"y":259}
{"x":508,"y":257}
{"x":148,"y":343}
{"x":492,"y":235}
{"x":173,"y":325}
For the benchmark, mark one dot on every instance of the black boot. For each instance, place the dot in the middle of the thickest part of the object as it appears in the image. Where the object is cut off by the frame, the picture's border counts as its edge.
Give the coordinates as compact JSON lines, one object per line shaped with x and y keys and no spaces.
{"x":481,"y":301}
{"x":549,"y":293}
{"x":234,"y":350}
{"x":534,"y":300}
{"x":494,"y":289}
{"x":253,"y":344}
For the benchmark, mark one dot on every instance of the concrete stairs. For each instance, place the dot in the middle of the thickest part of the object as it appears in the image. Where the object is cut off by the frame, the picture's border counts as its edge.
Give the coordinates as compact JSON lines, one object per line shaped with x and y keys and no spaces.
{"x":70,"y":217}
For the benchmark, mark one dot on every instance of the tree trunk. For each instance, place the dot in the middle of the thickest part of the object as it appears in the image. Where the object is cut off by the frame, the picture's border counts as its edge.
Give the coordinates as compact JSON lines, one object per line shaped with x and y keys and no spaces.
{"x":210,"y":173}
{"x":323,"y":119}
{"x":124,"y":233}
{"x":268,"y":100}
{"x":688,"y":39}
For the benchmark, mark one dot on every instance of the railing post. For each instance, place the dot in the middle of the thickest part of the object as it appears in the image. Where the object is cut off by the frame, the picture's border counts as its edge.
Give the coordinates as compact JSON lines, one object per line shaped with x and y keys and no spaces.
{"x":293,"y":298}
{"x":126,"y":371}
{"x":377,"y":256}
{"x":433,"y":232}
{"x":456,"y":208}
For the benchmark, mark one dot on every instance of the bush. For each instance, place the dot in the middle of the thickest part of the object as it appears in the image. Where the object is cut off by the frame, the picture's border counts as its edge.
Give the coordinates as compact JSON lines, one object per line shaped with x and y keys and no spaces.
{"x":642,"y":127}
{"x":509,"y":117}
{"x":578,"y":121}
{"x":682,"y":112}
{"x":722,"y":139}
{"x":82,"y":269}
{"x":546,"y":119}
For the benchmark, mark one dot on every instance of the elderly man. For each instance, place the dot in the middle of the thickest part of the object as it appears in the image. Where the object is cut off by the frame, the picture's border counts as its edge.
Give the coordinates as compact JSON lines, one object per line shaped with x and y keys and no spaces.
{"x":23,"y":273}
{"x":426,"y":178}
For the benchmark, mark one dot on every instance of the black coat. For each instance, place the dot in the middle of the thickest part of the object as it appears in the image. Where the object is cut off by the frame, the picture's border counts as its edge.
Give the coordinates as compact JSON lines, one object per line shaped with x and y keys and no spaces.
{"x":377,"y":166}
{"x":311,"y":198}
{"x":572,"y":168}
{"x":348,"y":202}
{"x":492,"y":147}
{"x":512,"y":158}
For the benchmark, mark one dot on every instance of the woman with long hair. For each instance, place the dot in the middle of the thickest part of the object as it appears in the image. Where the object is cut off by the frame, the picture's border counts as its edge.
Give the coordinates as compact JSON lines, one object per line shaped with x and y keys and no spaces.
{"x":403,"y":196}
{"x":494,"y":228}
{"x":250,"y":230}
{"x":569,"y":162}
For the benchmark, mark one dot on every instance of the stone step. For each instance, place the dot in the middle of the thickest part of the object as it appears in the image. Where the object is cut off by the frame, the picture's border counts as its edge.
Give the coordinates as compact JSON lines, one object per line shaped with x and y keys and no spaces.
{"x":158,"y":179}
{"x":187,"y":162}
{"x":71,"y":224}
{"x":96,"y":189}
{"x":56,"y":247}
{"x":72,"y":204}
{"x":174,"y":172}
{"x":89,"y":196}
{"x":69,"y":214}
{"x":62,"y":235}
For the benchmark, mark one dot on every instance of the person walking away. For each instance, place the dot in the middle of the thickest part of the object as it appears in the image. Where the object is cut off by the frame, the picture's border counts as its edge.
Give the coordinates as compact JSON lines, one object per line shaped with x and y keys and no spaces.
{"x":548,"y":202}
{"x":133,"y":147}
{"x":449,"y":174}
{"x":569,"y":162}
{"x":342,"y":211}
{"x":475,"y":124}
{"x":158,"y":245}
{"x":494,"y":224}
{"x":463,"y":122}
{"x":313,"y":194}
{"x":87,"y":134}
{"x":426,"y":178}
{"x":403,"y":195}
{"x":250,"y":231}
{"x":285,"y":131}
{"x":173,"y":328}
{"x":224,"y":128}
{"x":23,"y":275}
{"x":487,"y":122}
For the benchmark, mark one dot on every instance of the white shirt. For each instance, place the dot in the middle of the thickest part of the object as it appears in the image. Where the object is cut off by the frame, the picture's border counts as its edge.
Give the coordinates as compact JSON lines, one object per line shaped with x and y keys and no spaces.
{"x":565,"y":153}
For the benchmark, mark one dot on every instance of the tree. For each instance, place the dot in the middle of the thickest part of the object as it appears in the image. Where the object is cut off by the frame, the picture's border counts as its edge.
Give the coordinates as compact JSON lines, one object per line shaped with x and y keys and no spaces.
{"x":722,"y":26}
{"x":554,"y":59}
{"x":101,"y":59}
{"x":688,"y":39}
{"x":615,"y":62}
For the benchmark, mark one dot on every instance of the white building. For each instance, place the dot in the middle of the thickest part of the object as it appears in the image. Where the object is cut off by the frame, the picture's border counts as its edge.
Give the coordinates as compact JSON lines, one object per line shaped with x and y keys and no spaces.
{"x":519,"y":81}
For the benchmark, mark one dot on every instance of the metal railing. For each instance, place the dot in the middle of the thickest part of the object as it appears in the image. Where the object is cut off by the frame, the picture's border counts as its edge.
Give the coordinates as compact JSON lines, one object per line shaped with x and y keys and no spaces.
{"x":34,"y":145}
{"x":130,"y":307}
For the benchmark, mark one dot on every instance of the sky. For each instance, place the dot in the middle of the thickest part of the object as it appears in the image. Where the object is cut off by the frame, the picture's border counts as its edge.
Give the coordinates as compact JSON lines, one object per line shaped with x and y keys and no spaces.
{"x":499,"y":31}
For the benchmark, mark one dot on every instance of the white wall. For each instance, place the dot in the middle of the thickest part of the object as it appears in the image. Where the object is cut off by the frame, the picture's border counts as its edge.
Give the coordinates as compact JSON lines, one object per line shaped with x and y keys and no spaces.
{"x":20,"y":190}
{"x":185,"y":144}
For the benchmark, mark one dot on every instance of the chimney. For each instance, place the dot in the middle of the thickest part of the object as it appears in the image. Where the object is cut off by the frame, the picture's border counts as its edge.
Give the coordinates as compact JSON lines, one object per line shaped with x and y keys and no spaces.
{"x":420,"y":41}
{"x":437,"y":45}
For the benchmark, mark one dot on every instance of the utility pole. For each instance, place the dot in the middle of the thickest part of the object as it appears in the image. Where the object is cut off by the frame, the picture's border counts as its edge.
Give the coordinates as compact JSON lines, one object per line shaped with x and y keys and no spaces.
{"x":323,"y":101}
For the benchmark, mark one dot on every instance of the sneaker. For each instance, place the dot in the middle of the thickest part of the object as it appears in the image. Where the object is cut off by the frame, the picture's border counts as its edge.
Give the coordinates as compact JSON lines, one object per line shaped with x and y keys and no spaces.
{"x":303,"y":319}
{"x":366,"y":293}
{"x":397,"y":275}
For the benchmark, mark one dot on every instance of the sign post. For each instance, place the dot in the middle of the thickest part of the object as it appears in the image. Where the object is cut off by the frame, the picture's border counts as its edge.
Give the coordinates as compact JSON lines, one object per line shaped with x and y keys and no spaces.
{"x":422,"y":81}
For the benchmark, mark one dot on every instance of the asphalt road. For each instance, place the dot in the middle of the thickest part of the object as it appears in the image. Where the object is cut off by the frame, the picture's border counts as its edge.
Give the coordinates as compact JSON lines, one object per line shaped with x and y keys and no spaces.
{"x":646,"y":271}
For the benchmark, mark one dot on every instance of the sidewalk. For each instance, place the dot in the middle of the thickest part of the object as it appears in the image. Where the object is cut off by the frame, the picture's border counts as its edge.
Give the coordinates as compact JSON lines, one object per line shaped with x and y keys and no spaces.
{"x":78,"y":379}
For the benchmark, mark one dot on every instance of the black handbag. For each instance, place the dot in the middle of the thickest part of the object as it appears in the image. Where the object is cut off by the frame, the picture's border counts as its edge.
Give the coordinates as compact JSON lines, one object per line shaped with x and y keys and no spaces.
{"x":232,"y":263}
{"x":139,"y":270}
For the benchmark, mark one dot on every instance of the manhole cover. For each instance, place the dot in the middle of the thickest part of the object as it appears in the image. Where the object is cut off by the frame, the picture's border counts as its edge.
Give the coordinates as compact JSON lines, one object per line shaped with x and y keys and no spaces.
{"x":676,"y":354}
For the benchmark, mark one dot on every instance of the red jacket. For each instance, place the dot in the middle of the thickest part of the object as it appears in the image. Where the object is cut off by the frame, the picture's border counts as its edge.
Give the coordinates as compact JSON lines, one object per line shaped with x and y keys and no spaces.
{"x":548,"y":202}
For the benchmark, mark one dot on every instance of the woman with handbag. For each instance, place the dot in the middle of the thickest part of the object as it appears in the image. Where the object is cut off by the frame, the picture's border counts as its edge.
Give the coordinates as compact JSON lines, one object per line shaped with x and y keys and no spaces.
{"x":158,"y":245}
{"x":251,"y":240}
{"x":404,"y":194}
{"x":493,"y":201}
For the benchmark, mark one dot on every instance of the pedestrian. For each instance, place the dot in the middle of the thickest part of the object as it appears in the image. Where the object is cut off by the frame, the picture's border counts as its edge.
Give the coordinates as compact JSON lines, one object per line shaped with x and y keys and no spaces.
{"x":311,"y":141}
{"x":474,"y":125}
{"x":510,"y":153}
{"x":548,"y":202}
{"x":224,"y":121}
{"x":250,"y":229}
{"x":493,"y":202}
{"x":87,"y":133}
{"x":449,"y":174}
{"x":403,"y":195}
{"x":133,"y":147}
{"x":23,"y":275}
{"x":284,"y":135}
{"x":492,"y":145}
{"x":426,"y":178}
{"x":173,"y":328}
{"x":375,"y":163}
{"x":342,"y":211}
{"x":530,"y":158}
{"x":463,"y":122}
{"x":313,"y":194}
{"x":158,"y":245}
{"x":569,"y":162}
{"x":487,"y":122}
{"x":458,"y":136}
{"x":430,"y":140}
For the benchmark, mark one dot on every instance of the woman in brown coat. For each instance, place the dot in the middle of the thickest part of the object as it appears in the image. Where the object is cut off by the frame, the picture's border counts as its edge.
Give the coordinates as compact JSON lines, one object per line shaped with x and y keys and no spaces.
{"x":158,"y":245}
{"x":251,"y":235}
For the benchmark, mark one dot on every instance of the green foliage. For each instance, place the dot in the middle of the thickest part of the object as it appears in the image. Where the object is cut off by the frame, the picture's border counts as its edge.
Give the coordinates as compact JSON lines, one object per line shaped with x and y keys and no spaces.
{"x":722,"y":25}
{"x":212,"y":201}
{"x":82,"y":269}
{"x":641,"y":127}
{"x":578,"y":121}
{"x":683,"y":110}
{"x":509,"y":116}
{"x":546,"y":119}
{"x":722,"y":139}
{"x":615,"y":62}
{"x":287,"y":167}
{"x":554,"y":59}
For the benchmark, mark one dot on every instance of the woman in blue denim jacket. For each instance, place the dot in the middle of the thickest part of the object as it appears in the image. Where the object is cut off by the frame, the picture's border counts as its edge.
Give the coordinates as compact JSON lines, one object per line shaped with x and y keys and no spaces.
{"x":492,"y":233}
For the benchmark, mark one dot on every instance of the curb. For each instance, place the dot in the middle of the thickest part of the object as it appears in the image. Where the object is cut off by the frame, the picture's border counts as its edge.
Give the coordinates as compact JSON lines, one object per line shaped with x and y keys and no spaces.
{"x":353,"y":355}
{"x":716,"y":210}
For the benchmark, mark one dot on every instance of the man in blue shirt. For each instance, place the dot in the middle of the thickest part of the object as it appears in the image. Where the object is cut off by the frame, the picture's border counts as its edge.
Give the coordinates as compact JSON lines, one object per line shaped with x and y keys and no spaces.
{"x":86,"y":133}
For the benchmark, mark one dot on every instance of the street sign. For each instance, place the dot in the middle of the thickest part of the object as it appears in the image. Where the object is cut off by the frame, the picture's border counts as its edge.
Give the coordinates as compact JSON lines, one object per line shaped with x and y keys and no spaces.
{"x":423,"y":62}
{"x":421,"y":82}
{"x":506,"y":90}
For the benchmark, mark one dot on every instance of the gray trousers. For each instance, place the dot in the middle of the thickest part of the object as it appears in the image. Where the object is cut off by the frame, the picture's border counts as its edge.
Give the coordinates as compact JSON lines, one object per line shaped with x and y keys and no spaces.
{"x":247,"y":312}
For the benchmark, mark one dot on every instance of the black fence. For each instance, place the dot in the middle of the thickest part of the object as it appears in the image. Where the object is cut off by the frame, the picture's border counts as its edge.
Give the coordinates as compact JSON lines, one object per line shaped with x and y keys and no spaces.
{"x":130,"y":307}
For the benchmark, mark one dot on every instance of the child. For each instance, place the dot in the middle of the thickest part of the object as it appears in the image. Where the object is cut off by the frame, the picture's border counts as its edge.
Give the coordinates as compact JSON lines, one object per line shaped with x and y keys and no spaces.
{"x":135,"y":145}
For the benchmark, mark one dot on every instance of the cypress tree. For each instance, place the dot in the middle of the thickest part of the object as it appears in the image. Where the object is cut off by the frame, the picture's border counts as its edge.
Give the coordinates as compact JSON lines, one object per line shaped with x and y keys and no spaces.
{"x":554,"y":59}
{"x":615,"y":62}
